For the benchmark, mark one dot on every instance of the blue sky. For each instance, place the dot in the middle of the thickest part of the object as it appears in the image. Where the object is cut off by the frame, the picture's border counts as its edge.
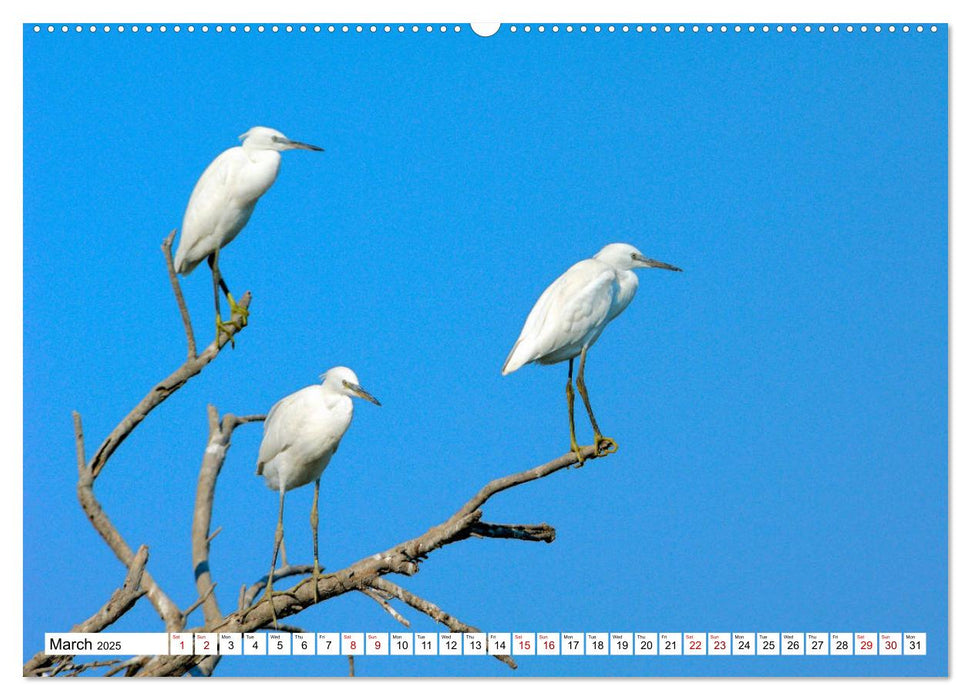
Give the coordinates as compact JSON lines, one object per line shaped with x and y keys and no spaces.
{"x":781,"y":406}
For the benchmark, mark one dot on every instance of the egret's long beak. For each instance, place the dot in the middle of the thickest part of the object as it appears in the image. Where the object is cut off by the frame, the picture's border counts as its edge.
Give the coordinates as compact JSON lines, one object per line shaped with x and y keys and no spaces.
{"x":647,"y":262}
{"x":302,"y":146}
{"x":359,"y":390}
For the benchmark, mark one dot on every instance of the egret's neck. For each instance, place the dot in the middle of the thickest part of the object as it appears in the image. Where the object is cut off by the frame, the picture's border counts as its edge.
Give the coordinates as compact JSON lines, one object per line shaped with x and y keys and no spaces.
{"x":259,"y":174}
{"x":262,"y":155}
{"x":626,"y":289}
{"x":336,"y":399}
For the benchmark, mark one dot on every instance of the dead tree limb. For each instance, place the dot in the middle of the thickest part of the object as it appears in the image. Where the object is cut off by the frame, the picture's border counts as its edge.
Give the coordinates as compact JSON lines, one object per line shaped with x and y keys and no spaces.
{"x":88,"y":472}
{"x":220,"y":433}
{"x":403,"y":559}
{"x":364,"y":576}
{"x":120,"y":602}
{"x":433,"y":611}
{"x":167,"y":610}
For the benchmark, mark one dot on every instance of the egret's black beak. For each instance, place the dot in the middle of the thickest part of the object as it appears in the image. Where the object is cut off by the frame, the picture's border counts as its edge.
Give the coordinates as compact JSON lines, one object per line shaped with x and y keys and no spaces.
{"x":359,"y":390}
{"x":303,"y":146}
{"x":647,"y":262}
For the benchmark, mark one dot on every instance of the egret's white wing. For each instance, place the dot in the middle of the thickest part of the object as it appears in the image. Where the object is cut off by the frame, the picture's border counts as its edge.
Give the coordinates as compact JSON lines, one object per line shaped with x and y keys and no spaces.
{"x":284,"y":424}
{"x":210,"y":203}
{"x":571,"y":311}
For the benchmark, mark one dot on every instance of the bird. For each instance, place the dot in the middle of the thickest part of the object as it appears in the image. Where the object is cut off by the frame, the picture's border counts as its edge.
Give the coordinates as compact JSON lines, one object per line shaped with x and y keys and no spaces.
{"x":301,"y":433}
{"x":222,"y":202}
{"x":570,"y":315}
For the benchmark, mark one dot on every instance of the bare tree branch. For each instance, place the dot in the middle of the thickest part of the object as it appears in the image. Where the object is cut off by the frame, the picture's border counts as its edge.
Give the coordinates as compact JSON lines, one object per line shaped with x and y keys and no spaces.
{"x":89,"y":472}
{"x":364,"y":576}
{"x":120,"y":602}
{"x":249,"y":594}
{"x":280,"y":627}
{"x":177,"y":290}
{"x":433,"y":611}
{"x":167,"y":610}
{"x":129,"y":666}
{"x":78,"y":669}
{"x":200,"y":601}
{"x":402,"y":559}
{"x":212,"y":463}
{"x":161,"y":391}
{"x":370,"y":593}
{"x":529,"y":533}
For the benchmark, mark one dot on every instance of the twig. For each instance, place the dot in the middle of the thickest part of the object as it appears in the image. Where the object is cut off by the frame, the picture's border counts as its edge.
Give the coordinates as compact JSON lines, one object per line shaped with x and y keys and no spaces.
{"x":179,"y":299}
{"x":189,"y":610}
{"x":213,"y":535}
{"x":280,"y":627}
{"x":433,"y":611}
{"x":78,"y":669}
{"x":129,"y":666}
{"x":529,"y":533}
{"x":278,"y":574}
{"x":385,"y":606}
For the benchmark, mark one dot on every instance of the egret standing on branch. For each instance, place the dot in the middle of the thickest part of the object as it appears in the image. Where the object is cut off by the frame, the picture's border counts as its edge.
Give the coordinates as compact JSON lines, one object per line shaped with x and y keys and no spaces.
{"x":300,"y":435}
{"x":572,"y":313}
{"x":223,"y":200}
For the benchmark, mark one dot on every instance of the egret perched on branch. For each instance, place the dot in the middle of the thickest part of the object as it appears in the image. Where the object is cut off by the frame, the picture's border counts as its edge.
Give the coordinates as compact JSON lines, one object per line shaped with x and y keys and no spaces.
{"x":300,"y":435}
{"x":572,"y":313}
{"x":223,"y":200}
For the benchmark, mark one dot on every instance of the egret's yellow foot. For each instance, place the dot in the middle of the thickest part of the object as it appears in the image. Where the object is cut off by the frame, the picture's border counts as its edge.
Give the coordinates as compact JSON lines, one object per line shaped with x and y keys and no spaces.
{"x":236,"y":309}
{"x":268,"y":594}
{"x":228,"y":328}
{"x":576,"y":450}
{"x":605,"y":445}
{"x":315,"y":578}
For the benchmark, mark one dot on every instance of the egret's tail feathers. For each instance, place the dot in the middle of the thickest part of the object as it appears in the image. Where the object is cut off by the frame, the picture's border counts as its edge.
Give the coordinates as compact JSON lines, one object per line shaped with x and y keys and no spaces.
{"x":182,"y":266}
{"x":516,"y":359}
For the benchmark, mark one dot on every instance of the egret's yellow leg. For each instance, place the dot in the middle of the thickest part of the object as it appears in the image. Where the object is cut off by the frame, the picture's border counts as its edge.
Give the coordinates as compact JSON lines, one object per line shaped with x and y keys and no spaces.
{"x":277,"y":541}
{"x":569,"y":402}
{"x":219,"y":283}
{"x":314,"y":522}
{"x":598,"y":438}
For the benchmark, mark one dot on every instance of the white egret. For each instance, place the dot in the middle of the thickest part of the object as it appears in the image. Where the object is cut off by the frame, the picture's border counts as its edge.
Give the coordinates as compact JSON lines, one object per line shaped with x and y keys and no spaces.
{"x":572,"y":313}
{"x":300,"y":435}
{"x":223,"y":200}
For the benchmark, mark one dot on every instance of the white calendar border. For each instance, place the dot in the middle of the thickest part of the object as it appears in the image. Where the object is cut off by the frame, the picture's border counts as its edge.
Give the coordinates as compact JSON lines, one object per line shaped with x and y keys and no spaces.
{"x":565,"y":10}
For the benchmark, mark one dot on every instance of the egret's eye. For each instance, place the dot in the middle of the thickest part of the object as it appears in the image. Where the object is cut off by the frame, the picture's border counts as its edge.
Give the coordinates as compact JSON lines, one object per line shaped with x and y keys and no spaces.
{"x":633,"y":256}
{"x":278,"y":139}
